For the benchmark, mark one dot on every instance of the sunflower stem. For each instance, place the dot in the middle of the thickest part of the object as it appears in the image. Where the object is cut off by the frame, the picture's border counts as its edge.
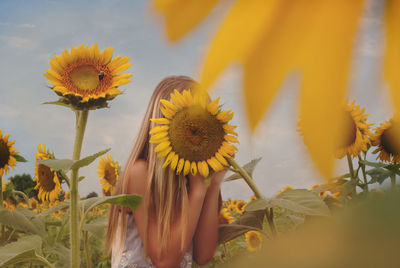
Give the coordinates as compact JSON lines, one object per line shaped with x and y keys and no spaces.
{"x":393,"y":181}
{"x":1,"y":191}
{"x":81,"y":119}
{"x":255,"y":190}
{"x":353,"y":178}
{"x":364,"y":174}
{"x":24,"y":196}
{"x":86,"y":244}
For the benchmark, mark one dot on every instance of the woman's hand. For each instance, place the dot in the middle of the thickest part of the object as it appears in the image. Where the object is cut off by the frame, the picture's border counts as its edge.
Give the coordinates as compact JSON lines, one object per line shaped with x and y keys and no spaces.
{"x":197,"y":184}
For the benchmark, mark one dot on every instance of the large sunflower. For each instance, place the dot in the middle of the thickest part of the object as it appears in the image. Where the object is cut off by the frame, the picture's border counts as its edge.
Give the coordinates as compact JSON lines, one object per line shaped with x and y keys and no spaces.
{"x":254,"y":240}
{"x":193,"y":135}
{"x":7,"y":153}
{"x":47,"y":180}
{"x":108,"y":171}
{"x":355,"y":135}
{"x":387,"y":141}
{"x":86,"y":77}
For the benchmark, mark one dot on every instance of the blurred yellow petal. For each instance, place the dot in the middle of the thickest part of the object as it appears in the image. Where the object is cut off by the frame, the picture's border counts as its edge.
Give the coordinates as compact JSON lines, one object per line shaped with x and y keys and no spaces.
{"x":193,"y":168}
{"x":160,"y":121}
{"x":183,"y":15}
{"x":392,"y":53}
{"x":203,"y":169}
{"x":186,"y":168}
{"x":180,"y":166}
{"x":174,"y":161}
{"x":162,"y":146}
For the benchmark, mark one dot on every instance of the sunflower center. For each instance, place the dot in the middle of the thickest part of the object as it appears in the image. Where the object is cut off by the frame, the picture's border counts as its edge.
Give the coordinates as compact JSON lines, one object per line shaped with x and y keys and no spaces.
{"x":4,"y":153}
{"x":85,"y":77}
{"x":195,"y":134}
{"x":109,"y":174}
{"x":389,"y":142}
{"x":350,"y":130}
{"x":254,"y":241}
{"x":46,"y":178}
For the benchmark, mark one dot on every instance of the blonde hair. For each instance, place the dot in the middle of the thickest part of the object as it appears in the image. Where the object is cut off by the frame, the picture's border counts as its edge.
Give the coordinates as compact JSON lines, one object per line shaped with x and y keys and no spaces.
{"x":167,"y":190}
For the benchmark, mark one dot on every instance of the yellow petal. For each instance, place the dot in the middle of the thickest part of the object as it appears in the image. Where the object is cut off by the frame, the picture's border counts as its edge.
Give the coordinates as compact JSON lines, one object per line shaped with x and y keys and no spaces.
{"x":160,"y":135}
{"x":225,"y":116}
{"x":162,"y":146}
{"x":213,"y":106}
{"x":180,"y":166}
{"x":160,"y":121}
{"x":203,"y":169}
{"x":221,"y":159}
{"x":169,"y":105}
{"x":182,"y":15}
{"x":392,"y":52}
{"x":186,"y":168}
{"x":174,"y":161}
{"x":168,"y":160}
{"x":165,"y":152}
{"x":193,"y":168}
{"x":158,"y":129}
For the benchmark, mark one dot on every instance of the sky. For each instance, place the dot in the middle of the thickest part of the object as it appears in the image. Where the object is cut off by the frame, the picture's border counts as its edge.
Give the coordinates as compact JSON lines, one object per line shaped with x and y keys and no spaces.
{"x":32,"y":32}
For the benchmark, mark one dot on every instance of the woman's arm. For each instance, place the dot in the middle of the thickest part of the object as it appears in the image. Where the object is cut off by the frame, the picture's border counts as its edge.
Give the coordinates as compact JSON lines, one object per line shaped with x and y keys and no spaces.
{"x":172,"y":255}
{"x":206,"y":236}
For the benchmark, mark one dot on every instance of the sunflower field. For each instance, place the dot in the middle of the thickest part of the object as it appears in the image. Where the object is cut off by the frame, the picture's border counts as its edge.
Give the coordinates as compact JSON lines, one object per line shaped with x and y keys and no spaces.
{"x":347,"y":220}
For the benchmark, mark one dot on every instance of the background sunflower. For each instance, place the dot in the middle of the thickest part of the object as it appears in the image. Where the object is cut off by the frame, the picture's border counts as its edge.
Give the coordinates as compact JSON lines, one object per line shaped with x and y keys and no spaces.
{"x":7,"y":154}
{"x":108,"y":171}
{"x":86,"y":77}
{"x":387,"y":141}
{"x":194,"y":135}
{"x":47,"y":180}
{"x":254,"y":240}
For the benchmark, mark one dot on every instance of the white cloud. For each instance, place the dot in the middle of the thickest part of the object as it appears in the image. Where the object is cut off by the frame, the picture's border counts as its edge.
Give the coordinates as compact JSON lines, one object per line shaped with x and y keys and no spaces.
{"x":19,"y":42}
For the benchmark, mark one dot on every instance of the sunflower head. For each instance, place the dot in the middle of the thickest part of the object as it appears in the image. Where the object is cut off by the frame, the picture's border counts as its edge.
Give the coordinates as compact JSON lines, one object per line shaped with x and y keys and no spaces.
{"x":356,"y":133}
{"x":254,"y":240}
{"x":387,"y":141}
{"x":108,"y":171}
{"x":87,"y":78}
{"x":240,"y":205}
{"x":33,"y":203}
{"x":193,"y":135}
{"x":225,"y":217}
{"x":7,"y":153}
{"x":47,"y":180}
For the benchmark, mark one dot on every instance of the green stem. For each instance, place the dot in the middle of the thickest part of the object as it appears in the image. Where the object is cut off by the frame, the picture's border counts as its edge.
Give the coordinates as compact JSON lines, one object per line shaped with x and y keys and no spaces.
{"x":364,"y":174}
{"x":86,"y":244}
{"x":270,"y":219}
{"x":81,"y":119}
{"x":1,"y":191}
{"x":255,"y":190}
{"x":246,"y":177}
{"x":351,"y":169}
{"x":393,"y":181}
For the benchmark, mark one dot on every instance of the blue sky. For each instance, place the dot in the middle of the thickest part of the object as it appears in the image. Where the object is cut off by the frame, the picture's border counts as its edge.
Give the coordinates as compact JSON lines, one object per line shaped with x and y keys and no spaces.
{"x":31,"y":32}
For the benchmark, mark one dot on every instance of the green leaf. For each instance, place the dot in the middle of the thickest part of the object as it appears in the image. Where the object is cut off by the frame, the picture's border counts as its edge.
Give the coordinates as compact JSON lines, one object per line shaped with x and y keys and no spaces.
{"x":249,"y":168}
{"x":297,"y":200}
{"x":20,"y":222}
{"x":227,"y":232}
{"x":23,"y":250}
{"x":81,"y":178}
{"x":87,"y":160}
{"x":378,"y":175}
{"x":97,"y":228}
{"x":57,"y":164}
{"x":128,"y":200}
{"x":63,"y":254}
{"x":372,"y":164}
{"x":60,"y":103}
{"x":47,"y":212}
{"x":20,"y":158}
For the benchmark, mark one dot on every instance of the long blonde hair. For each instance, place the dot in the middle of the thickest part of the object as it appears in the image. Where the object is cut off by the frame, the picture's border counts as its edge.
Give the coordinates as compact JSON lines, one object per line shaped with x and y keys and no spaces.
{"x":168,"y":191}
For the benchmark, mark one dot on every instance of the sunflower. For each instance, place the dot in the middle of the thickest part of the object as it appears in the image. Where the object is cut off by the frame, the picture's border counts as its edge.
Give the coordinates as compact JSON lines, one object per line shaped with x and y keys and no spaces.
{"x":240,"y":205}
{"x":3,"y":186}
{"x":47,"y":180}
{"x":108,"y":171}
{"x":287,"y":187}
{"x":87,"y":78}
{"x":387,"y":141}
{"x":7,"y":153}
{"x":67,"y":195}
{"x":33,"y":203}
{"x":356,"y":134}
{"x":254,"y":240}
{"x":193,"y":135}
{"x":225,"y":217}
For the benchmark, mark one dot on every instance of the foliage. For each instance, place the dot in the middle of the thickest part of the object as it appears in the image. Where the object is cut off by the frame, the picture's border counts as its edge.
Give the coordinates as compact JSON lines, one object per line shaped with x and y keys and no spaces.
{"x":24,"y":183}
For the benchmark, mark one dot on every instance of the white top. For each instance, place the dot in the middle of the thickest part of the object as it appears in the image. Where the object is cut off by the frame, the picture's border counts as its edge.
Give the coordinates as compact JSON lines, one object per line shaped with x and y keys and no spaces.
{"x":132,"y":254}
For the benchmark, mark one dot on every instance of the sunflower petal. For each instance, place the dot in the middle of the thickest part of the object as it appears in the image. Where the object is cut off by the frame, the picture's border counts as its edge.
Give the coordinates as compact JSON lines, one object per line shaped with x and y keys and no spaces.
{"x":193,"y":168}
{"x":160,"y":121}
{"x":180,"y":166}
{"x":203,"y":169}
{"x":186,"y":168}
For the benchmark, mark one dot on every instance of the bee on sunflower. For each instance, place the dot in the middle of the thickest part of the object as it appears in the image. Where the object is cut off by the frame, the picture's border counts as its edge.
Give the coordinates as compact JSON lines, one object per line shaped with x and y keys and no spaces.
{"x":47,"y":180}
{"x":194,"y":135}
{"x":108,"y":171}
{"x":387,"y":142}
{"x":87,"y":78}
